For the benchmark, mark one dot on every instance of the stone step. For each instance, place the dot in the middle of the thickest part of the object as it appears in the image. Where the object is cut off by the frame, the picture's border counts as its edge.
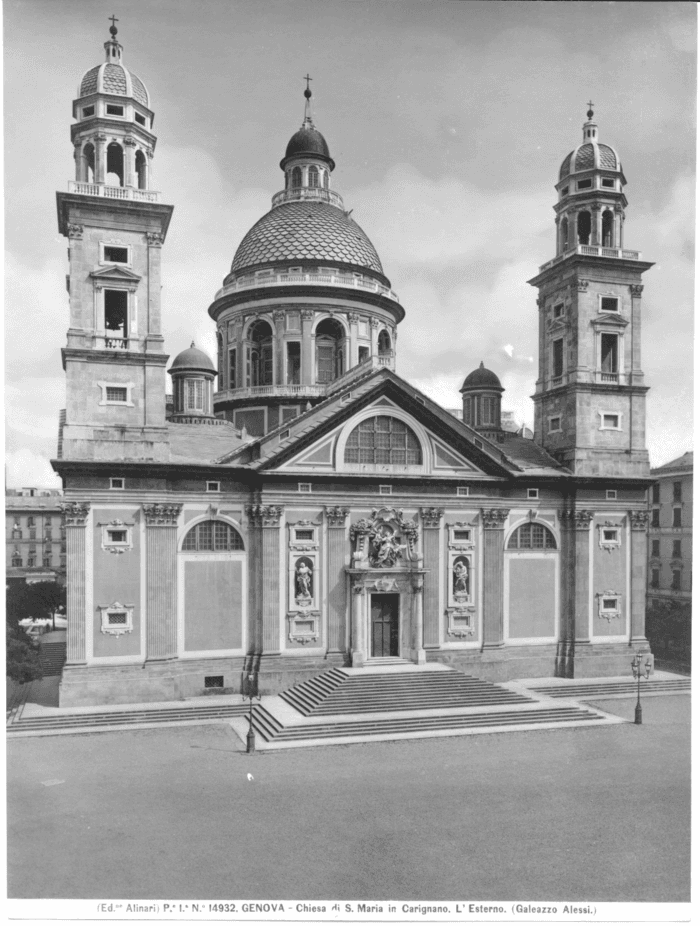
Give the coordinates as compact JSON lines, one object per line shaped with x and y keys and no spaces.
{"x":592,"y":689}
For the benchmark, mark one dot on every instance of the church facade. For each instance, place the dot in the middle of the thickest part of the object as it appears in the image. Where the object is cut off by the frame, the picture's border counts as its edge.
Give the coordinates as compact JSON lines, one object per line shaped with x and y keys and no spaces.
{"x":302,"y":506}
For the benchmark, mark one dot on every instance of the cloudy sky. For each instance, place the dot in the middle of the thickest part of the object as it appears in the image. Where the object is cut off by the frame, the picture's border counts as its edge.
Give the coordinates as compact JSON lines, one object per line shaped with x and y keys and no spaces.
{"x":447,"y":122}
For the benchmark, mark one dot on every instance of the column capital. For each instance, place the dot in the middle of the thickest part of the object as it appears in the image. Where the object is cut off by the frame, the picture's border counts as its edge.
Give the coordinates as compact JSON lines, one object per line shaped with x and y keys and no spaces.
{"x":155,"y":240}
{"x":279,"y":315}
{"x":264,"y":515}
{"x":75,"y":231}
{"x":353,"y":318}
{"x":431,"y":516}
{"x":336,"y":516}
{"x":579,"y":519}
{"x":494,"y":518}
{"x":74,"y":514}
{"x":596,"y":207}
{"x":161,"y":515}
{"x":307,"y":314}
{"x":130,"y":141}
{"x":638,"y":520}
{"x":636,"y":289}
{"x":417,"y":583}
{"x":580,"y":285}
{"x":374,"y":322}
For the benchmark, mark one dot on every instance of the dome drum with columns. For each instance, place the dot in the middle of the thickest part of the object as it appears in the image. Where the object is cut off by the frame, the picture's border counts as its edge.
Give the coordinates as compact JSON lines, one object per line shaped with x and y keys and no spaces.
{"x":306,"y":302}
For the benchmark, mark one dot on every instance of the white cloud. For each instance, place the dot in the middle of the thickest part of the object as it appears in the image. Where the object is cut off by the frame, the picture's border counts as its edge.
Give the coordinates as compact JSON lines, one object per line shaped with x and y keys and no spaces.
{"x":25,"y":467}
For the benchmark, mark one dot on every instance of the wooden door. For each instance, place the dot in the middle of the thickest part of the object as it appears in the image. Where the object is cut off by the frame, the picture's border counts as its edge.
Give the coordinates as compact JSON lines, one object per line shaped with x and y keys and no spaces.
{"x":385,"y":625}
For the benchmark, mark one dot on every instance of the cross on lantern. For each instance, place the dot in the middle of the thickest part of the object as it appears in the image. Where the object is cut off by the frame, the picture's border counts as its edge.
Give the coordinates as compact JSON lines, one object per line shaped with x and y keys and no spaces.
{"x":308,"y":80}
{"x":114,"y":20}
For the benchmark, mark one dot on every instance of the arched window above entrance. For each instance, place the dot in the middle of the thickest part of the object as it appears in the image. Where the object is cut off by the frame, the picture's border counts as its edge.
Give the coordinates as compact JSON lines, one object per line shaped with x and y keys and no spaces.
{"x":213,"y":536}
{"x":532,"y":537}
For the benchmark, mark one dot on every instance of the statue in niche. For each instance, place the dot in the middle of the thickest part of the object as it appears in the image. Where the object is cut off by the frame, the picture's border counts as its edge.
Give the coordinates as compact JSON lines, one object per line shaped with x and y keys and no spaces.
{"x":385,"y":549}
{"x":303,"y":580}
{"x":460,"y":579}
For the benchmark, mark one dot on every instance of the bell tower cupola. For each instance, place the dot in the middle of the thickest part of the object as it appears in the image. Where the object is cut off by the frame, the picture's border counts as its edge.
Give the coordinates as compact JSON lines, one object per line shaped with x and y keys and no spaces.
{"x":590,"y":392}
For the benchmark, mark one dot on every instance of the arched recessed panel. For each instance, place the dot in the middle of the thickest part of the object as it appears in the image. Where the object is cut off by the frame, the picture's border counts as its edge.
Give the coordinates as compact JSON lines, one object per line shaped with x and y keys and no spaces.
{"x":532,"y":536}
{"x":213,"y":536}
{"x":384,"y":440}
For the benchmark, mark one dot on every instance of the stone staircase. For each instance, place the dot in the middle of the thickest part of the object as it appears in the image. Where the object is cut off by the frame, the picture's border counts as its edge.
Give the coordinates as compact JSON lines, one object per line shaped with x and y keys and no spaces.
{"x":350,"y":705}
{"x":605,"y":688}
{"x":337,"y":692}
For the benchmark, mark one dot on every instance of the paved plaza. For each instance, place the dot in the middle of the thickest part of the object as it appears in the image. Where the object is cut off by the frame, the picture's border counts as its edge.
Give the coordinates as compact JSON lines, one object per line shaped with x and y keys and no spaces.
{"x":598,"y":813}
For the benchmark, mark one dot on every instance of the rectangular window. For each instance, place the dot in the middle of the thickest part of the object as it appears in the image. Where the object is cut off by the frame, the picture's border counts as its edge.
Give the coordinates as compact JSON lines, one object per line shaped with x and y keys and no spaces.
{"x":32,"y":534}
{"x":655,"y":517}
{"x":609,"y":422}
{"x":232,"y":369}
{"x":116,"y":255}
{"x":117,"y":618}
{"x":565,"y":191}
{"x":304,"y":486}
{"x":611,"y":535}
{"x":117,"y":394}
{"x":385,"y":490}
{"x":303,"y":534}
{"x":611,"y":494}
{"x":609,"y":304}
{"x":608,"y":353}
{"x":195,"y":395}
{"x":114,"y":110}
{"x":293,"y":363}
{"x":610,"y":604}
{"x":462,"y":490}
{"x":677,"y":517}
{"x":488,"y":410}
{"x":213,"y":681}
{"x":284,"y":434}
{"x":533,"y":493}
{"x":558,"y":357}
{"x":140,"y":119}
{"x":117,"y":536}
{"x":584,"y":184}
{"x":655,"y":494}
{"x":116,"y":305}
{"x":677,"y":492}
{"x":46,"y":561}
{"x":30,"y":522}
{"x":464,"y":536}
{"x":362,"y":354}
{"x":676,"y":580}
{"x":116,"y":482}
{"x":558,"y":310}
{"x":31,"y":561}
{"x":677,"y":550}
{"x":656,"y":548}
{"x":555,"y":423}
{"x":608,"y":182}
{"x":213,"y":486}
{"x":88,"y":111}
{"x":654,"y":578}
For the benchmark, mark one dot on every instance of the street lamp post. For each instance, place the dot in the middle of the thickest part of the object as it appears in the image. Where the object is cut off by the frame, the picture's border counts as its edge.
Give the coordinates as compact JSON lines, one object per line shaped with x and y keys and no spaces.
{"x":637,"y":673}
{"x":251,"y":693}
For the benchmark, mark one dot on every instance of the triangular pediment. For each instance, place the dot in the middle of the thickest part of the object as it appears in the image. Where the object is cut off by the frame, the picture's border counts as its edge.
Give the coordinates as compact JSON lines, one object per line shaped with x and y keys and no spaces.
{"x":114,"y":273}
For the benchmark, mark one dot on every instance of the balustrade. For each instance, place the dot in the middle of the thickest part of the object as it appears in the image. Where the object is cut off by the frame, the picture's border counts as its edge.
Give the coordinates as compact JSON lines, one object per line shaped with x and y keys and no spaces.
{"x":593,"y":251}
{"x":113,"y":192}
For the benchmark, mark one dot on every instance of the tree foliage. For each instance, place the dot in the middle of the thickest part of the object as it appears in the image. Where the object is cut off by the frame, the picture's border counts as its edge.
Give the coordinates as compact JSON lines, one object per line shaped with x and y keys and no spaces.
{"x":40,"y":600}
{"x":22,"y":662}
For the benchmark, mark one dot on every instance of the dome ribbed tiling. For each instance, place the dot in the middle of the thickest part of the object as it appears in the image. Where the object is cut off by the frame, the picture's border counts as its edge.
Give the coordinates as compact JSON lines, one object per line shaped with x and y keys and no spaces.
{"x":608,"y":158}
{"x":112,"y":79}
{"x":590,"y":156}
{"x":306,"y":231}
{"x":89,"y":81}
{"x":585,"y":157}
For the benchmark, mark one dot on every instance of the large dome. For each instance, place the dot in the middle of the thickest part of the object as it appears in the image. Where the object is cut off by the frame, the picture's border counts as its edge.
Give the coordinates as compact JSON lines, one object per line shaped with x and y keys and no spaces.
{"x":113,"y":79}
{"x":312,"y":231}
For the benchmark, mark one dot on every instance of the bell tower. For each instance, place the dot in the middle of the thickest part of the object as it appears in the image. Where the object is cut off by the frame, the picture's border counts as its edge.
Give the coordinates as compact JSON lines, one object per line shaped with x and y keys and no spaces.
{"x":115,"y":225}
{"x":590,"y":404}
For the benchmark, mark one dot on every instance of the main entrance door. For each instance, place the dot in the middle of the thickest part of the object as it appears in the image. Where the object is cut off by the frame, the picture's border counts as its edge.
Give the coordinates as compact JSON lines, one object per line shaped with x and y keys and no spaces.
{"x":385,"y":625}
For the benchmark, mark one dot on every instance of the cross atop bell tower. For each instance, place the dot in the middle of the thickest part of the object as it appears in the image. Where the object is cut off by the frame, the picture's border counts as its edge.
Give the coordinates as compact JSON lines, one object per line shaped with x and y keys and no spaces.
{"x":115,"y":225}
{"x":590,"y":392}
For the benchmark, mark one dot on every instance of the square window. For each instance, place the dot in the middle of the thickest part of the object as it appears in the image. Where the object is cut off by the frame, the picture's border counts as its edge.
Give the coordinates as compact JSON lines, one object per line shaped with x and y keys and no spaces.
{"x":213,"y":486}
{"x":609,"y":304}
{"x":114,"y":255}
{"x":117,"y":536}
{"x":88,"y":111}
{"x":555,"y":423}
{"x":611,"y":494}
{"x":565,"y":191}
{"x":533,"y":493}
{"x":117,"y":394}
{"x":140,"y":119}
{"x":304,"y":486}
{"x":608,"y":182}
{"x":609,"y":422}
{"x":462,"y":490}
{"x":611,"y":535}
{"x":610,"y":604}
{"x":385,"y":490}
{"x":478,"y":443}
{"x":116,"y":482}
{"x":114,"y":110}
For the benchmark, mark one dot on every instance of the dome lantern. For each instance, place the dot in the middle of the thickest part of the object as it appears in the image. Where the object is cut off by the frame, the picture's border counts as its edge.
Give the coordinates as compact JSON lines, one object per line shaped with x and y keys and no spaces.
{"x":193,"y":375}
{"x":481,"y":402}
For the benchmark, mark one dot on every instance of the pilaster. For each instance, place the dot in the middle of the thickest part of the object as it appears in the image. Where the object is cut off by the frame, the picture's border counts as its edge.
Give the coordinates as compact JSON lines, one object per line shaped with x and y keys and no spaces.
{"x":493,"y":521}
{"x":266,"y":519}
{"x":279,"y":317}
{"x":417,"y":650}
{"x":638,"y":577}
{"x":308,"y":373}
{"x":161,"y":580}
{"x":432,"y":520}
{"x":579,"y":521}
{"x":337,"y":585}
{"x":74,"y":516}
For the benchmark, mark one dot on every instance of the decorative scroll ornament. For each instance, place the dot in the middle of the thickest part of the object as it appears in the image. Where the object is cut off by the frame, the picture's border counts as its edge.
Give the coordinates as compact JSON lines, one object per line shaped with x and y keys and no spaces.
{"x":264,"y":515}
{"x":155,"y":240}
{"x":431,"y":516}
{"x":161,"y":514}
{"x":74,"y":514}
{"x":636,"y":289}
{"x":494,"y":518}
{"x":579,"y":518}
{"x":639,"y":520}
{"x":336,"y":516}
{"x":75,"y":231}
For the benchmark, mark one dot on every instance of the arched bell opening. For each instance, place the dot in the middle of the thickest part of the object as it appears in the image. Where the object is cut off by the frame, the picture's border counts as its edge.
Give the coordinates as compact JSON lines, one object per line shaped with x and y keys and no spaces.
{"x":261,"y":354}
{"x":583,"y":227}
{"x":88,"y":164}
{"x":115,"y":165}
{"x":330,"y":360}
{"x":384,"y":343}
{"x":141,"y":170}
{"x":296,"y":177}
{"x":313,"y":177}
{"x":564,"y":235}
{"x":608,"y":229}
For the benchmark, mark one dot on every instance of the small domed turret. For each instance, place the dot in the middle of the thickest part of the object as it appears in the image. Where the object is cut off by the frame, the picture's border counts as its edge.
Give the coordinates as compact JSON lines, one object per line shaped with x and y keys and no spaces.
{"x":481,"y":402}
{"x":193,"y":378}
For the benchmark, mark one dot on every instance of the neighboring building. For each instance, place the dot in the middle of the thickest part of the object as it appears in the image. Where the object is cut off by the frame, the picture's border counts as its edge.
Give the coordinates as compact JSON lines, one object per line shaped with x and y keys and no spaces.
{"x":317,"y":509}
{"x":35,"y":539}
{"x":670,"y":574}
